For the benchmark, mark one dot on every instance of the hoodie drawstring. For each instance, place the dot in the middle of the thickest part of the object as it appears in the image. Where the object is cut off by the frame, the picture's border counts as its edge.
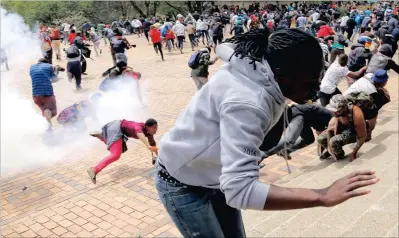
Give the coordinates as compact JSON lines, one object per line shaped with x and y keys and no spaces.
{"x":286,"y":122}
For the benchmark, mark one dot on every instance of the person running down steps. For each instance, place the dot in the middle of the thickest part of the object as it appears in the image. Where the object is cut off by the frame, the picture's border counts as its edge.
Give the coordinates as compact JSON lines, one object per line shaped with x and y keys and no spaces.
{"x":115,"y":135}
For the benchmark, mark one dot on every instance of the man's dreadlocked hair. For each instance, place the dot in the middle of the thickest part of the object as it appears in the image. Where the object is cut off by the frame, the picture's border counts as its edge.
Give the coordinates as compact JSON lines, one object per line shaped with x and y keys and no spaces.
{"x":252,"y":44}
{"x":281,"y":49}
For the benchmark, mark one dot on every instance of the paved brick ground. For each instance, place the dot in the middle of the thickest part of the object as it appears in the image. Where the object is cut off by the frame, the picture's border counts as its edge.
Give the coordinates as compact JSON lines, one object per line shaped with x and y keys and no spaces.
{"x":60,"y":200}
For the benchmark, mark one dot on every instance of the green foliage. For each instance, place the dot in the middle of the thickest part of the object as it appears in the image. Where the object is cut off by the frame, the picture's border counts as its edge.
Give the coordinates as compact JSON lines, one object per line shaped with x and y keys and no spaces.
{"x":78,"y":12}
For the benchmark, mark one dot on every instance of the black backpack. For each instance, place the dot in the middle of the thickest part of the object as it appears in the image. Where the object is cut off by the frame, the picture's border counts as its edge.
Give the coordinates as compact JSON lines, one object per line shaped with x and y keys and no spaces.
{"x":72,"y":52}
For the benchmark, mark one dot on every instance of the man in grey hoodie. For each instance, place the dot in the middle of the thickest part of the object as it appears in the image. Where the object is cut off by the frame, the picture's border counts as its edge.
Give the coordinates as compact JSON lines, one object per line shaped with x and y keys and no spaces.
{"x":208,"y":164}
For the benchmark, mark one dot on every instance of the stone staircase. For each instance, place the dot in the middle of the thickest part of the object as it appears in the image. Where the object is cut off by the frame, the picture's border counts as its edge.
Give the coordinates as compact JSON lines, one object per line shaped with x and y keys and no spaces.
{"x":373,"y":215}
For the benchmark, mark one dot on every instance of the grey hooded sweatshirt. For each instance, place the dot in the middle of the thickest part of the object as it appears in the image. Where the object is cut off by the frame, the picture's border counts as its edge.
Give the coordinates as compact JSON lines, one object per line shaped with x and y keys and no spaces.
{"x":215,"y":141}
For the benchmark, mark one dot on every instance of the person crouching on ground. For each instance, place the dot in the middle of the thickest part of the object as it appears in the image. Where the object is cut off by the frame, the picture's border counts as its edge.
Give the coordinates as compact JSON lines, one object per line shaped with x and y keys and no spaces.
{"x":43,"y":74}
{"x":115,"y":134}
{"x":72,"y":117}
{"x":347,"y":126}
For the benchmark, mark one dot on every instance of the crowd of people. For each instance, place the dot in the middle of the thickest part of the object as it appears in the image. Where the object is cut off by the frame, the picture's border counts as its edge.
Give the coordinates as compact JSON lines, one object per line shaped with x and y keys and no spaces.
{"x":208,"y":164}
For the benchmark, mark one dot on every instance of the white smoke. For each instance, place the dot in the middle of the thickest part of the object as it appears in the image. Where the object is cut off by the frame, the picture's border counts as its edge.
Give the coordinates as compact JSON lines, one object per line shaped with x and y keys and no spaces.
{"x":24,"y":144}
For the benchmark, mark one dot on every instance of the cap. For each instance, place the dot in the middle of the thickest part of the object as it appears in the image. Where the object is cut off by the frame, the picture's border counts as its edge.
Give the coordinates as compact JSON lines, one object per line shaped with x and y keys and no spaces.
{"x":380,"y":76}
{"x":364,"y":39}
{"x":337,"y":102}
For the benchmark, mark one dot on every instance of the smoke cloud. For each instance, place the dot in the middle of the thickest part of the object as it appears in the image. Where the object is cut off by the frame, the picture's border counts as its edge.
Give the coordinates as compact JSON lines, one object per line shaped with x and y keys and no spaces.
{"x":24,"y":144}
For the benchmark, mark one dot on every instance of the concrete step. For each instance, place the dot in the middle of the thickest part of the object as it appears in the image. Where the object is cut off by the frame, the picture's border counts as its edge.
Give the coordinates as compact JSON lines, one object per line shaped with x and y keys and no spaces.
{"x":349,"y":218}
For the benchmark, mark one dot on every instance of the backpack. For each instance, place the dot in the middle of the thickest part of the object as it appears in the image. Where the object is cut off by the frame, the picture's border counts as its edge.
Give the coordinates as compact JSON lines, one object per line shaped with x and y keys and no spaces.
{"x":86,"y":52}
{"x":363,"y":101}
{"x":239,"y":21}
{"x":358,"y":19}
{"x":72,"y":52}
{"x":193,"y":62}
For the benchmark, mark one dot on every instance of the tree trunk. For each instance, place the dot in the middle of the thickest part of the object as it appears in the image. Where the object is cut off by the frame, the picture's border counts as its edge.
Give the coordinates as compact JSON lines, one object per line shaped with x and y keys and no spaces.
{"x":138,"y":9}
{"x":178,"y":9}
{"x":190,"y":6}
{"x":154,"y":9}
{"x":147,"y":7}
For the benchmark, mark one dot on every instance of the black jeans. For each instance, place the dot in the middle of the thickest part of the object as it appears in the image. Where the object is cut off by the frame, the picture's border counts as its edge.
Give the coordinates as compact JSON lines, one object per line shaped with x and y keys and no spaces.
{"x":84,"y":63}
{"x":74,"y":70}
{"x":191,"y":37}
{"x":217,"y":39}
{"x":49,"y":56}
{"x":158,"y":47}
{"x":146,"y":35}
{"x":325,"y":97}
{"x":350,"y":33}
{"x":180,"y":40}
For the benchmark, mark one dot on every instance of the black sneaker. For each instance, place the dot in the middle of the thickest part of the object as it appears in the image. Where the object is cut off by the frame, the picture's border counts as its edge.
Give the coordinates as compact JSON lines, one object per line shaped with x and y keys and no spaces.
{"x":325,"y":155}
{"x":281,"y":154}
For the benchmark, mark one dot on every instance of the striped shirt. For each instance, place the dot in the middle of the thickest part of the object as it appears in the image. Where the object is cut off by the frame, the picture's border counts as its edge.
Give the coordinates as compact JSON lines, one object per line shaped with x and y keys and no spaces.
{"x":42,"y":75}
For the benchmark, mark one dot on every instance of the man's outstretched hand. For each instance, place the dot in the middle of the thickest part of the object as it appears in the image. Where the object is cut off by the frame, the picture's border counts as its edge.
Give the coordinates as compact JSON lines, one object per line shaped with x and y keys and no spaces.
{"x":347,"y":187}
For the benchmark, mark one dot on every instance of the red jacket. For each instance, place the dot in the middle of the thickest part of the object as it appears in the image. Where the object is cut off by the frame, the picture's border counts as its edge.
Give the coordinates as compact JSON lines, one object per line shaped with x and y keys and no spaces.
{"x":71,"y":37}
{"x":325,"y":31}
{"x":155,"y":35}
{"x":55,"y":34}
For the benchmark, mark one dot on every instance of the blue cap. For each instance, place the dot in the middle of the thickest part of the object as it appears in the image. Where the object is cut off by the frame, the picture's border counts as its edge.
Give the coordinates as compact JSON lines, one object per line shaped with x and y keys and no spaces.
{"x":380,"y":76}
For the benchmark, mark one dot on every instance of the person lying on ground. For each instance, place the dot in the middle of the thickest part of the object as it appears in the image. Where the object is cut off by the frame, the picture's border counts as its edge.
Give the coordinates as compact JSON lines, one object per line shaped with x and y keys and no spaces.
{"x":115,"y":134}
{"x":299,"y":134}
{"x":73,"y":116}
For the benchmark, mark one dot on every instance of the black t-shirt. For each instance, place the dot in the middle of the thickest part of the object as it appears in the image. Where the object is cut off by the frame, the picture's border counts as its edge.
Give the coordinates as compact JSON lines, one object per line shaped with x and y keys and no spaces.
{"x":315,"y":115}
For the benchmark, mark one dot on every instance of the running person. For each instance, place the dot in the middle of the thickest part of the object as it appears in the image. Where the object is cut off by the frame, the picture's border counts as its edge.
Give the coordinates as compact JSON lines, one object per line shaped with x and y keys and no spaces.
{"x":43,"y":74}
{"x":115,"y":135}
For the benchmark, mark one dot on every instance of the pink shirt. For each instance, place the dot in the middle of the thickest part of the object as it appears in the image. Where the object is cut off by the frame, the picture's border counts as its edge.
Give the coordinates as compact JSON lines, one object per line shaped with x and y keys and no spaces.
{"x":132,"y":128}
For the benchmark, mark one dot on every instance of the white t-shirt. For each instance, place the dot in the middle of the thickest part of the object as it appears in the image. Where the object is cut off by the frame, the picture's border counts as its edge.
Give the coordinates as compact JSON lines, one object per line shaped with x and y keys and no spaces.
{"x":136,"y":23}
{"x":315,"y":16}
{"x":344,"y":20}
{"x":67,"y":27}
{"x":332,"y":77}
{"x":363,"y":85}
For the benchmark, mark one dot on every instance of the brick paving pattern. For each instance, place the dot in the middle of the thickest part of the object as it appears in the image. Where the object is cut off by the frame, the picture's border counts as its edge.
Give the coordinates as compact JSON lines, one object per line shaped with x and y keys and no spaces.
{"x":61,"y":201}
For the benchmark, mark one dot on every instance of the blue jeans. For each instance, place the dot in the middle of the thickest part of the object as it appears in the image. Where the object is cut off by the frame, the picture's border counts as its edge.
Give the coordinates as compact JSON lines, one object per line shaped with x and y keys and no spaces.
{"x":198,"y":211}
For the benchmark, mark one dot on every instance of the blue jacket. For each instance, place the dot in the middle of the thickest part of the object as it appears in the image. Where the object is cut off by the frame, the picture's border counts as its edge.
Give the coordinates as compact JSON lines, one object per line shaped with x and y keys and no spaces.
{"x":42,"y":75}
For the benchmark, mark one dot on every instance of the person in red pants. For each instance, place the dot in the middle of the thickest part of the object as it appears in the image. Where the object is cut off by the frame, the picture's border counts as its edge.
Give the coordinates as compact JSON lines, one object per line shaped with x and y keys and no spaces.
{"x":115,"y":135}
